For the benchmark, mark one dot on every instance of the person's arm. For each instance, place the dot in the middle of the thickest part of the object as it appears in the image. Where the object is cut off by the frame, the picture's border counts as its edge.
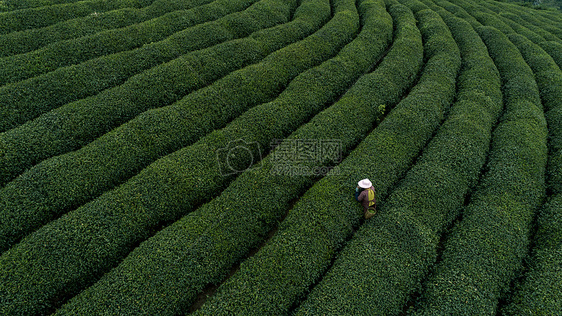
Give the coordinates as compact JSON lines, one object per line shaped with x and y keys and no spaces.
{"x":357,"y":192}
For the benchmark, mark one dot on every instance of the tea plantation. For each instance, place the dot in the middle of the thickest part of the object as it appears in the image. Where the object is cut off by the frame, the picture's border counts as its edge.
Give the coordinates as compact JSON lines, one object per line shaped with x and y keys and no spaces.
{"x":174,"y":157}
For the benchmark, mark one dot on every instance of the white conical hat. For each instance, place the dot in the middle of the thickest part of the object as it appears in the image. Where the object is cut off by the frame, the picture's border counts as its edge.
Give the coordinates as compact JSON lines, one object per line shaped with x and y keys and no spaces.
{"x":365,"y":184}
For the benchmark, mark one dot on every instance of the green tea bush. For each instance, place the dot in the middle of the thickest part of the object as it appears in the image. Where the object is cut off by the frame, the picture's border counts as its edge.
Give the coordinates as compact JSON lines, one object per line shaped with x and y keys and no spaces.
{"x":46,"y":15}
{"x":457,"y":11}
{"x":473,"y":8}
{"x":25,"y":100}
{"x":387,"y":258}
{"x":554,"y":49}
{"x":510,"y":19}
{"x":13,"y":5}
{"x":516,"y":16}
{"x":76,"y":124}
{"x":540,"y":293}
{"x":113,"y":158}
{"x":483,"y":253}
{"x":25,"y":41}
{"x":549,"y":81}
{"x":225,"y":229}
{"x":75,"y":51}
{"x":484,"y":16}
{"x":161,"y":193}
{"x":280,"y":274}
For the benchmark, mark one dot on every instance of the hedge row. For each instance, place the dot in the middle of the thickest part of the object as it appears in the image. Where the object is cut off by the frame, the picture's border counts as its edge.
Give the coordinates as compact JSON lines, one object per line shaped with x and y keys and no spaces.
{"x":543,"y":25}
{"x":12,"y":5}
{"x":528,"y":32}
{"x":43,"y":16}
{"x":549,"y":81}
{"x":76,"y":124}
{"x":388,"y":258}
{"x":120,"y":154}
{"x":281,"y":273}
{"x":537,"y":20}
{"x":25,"y":100}
{"x":540,"y":292}
{"x":483,"y":253}
{"x":554,"y":49}
{"x":457,"y":11}
{"x":75,"y":51}
{"x":218,"y":234}
{"x":32,"y":39}
{"x":484,"y":15}
{"x":171,"y":187}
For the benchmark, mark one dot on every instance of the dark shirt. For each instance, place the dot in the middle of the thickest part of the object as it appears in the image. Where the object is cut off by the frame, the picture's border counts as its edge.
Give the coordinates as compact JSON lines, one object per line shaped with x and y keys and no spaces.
{"x":363,"y":197}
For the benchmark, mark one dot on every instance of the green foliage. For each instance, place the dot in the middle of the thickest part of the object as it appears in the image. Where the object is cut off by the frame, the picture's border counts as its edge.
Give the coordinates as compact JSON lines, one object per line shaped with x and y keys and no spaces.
{"x":13,"y":5}
{"x":117,"y":119}
{"x":27,"y":99}
{"x":220,"y":233}
{"x":483,"y":253}
{"x":46,"y":15}
{"x":549,"y":81}
{"x":74,"y":125}
{"x":388,"y":257}
{"x":32,"y":39}
{"x":540,"y":291}
{"x":513,"y":17}
{"x":280,"y":274}
{"x":162,"y":192}
{"x":155,"y":133}
{"x":554,"y":49}
{"x":75,"y":51}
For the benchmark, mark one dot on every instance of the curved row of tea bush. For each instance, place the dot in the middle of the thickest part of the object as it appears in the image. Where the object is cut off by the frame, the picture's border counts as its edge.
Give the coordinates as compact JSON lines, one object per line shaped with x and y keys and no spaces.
{"x":46,"y":15}
{"x":549,"y":81}
{"x":76,"y":124}
{"x":537,"y":24}
{"x":12,"y":5}
{"x":75,"y":51}
{"x":116,"y":156}
{"x":554,"y":49}
{"x":455,"y":10}
{"x":68,"y":84}
{"x":477,"y":9}
{"x":25,"y":100}
{"x":25,"y":41}
{"x":87,"y":242}
{"x":540,"y":292}
{"x":279,"y":275}
{"x":389,"y":257}
{"x":218,"y":234}
{"x":530,"y":18}
{"x":484,"y":16}
{"x":512,"y":21}
{"x":483,"y":253}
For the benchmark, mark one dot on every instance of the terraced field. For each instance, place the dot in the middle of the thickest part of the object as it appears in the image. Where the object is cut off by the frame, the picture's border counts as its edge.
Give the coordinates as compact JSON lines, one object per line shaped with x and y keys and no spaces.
{"x":172,"y":157}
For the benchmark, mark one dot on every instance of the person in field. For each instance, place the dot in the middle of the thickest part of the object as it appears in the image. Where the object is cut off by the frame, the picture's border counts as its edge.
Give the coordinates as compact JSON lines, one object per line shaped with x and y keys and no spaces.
{"x":365,"y":193}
